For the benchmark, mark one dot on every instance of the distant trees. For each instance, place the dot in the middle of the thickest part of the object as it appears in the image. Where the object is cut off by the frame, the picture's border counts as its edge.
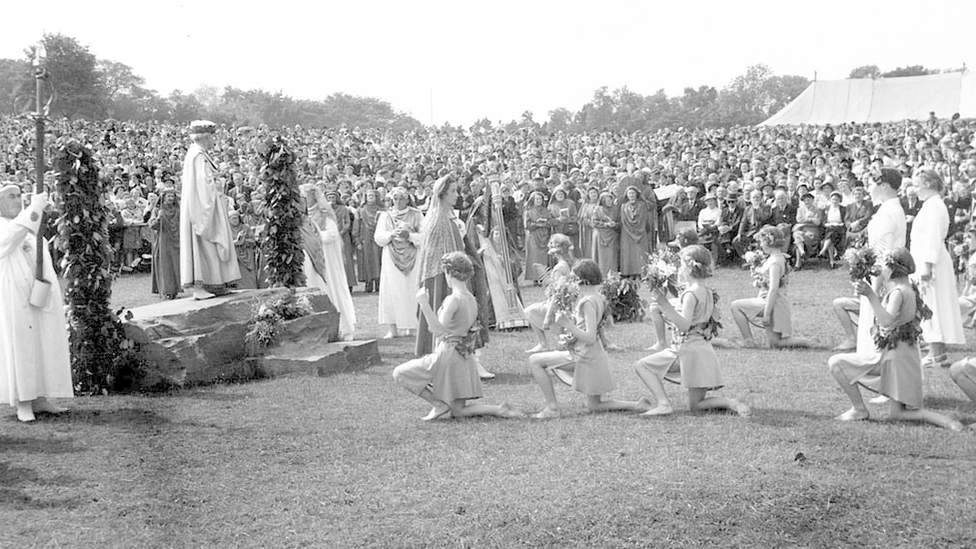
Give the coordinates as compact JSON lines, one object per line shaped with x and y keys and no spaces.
{"x":872,"y":71}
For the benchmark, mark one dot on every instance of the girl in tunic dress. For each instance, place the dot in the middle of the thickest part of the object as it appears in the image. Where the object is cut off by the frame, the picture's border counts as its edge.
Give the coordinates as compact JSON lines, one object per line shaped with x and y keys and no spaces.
{"x":894,"y":369}
{"x":447,"y":378}
{"x":691,"y":359}
{"x":771,"y":309}
{"x":540,"y":315}
{"x":586,"y":359}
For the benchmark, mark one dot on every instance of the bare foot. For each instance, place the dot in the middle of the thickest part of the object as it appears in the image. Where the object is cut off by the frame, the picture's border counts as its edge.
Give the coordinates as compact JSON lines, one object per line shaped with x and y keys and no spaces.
{"x":25,"y":412}
{"x":846,"y":345}
{"x":660,"y":410}
{"x":644,"y":404}
{"x":547,"y":413}
{"x":742,"y":409}
{"x":750,"y":344}
{"x":505,"y":410}
{"x":955,"y":426}
{"x":853,"y":415}
{"x":537,"y":349}
{"x":880,"y":399}
{"x":389,"y":335}
{"x":42,"y":404}
{"x":439,"y":411}
{"x":656,"y":348}
{"x":613,"y":347}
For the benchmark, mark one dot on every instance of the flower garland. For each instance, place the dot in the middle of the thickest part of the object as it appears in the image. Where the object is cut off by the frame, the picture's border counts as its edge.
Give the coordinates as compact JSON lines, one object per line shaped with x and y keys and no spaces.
{"x":268,"y":317}
{"x":910,"y":332}
{"x":283,"y":246}
{"x":102,"y":358}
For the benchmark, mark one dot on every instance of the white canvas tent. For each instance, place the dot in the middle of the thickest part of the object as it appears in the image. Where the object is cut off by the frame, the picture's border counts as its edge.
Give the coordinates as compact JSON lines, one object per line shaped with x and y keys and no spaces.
{"x":881,"y":100}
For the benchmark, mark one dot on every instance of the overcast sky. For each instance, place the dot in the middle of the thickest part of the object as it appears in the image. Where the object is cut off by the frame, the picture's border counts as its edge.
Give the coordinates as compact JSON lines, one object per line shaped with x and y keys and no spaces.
{"x":461,"y":61}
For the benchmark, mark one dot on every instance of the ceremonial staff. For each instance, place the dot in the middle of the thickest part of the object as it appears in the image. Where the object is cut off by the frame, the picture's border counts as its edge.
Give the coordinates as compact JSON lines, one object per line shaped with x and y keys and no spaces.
{"x":41,"y":290}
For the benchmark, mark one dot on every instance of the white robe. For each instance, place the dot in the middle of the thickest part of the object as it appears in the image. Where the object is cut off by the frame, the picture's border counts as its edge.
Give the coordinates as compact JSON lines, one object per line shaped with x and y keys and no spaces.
{"x":335,"y":283}
{"x":928,"y":246}
{"x":397,"y":289}
{"x":886,"y":231}
{"x":207,"y":253}
{"x":34,"y":356}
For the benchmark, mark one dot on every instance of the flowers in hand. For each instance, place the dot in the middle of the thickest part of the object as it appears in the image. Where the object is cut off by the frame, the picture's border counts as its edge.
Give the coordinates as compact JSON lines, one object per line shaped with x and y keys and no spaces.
{"x":754,"y":259}
{"x":563,"y":294}
{"x":862,"y":263}
{"x":661,"y":272}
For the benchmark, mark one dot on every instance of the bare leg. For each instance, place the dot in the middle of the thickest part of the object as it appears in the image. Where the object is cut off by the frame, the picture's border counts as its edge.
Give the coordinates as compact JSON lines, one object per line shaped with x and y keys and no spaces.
{"x":504,"y":410}
{"x":536,"y":316}
{"x":964,"y":374}
{"x":439,"y":410}
{"x":656,"y":387}
{"x":936,"y":352}
{"x":777,"y":342}
{"x":42,"y":404}
{"x":859,"y":411}
{"x":538,"y":364}
{"x":842,"y":309}
{"x":742,"y":322}
{"x":594,"y":403}
{"x":391,"y":332}
{"x":660,"y":328}
{"x":897,"y":411}
{"x":25,"y":412}
{"x":698,"y":402}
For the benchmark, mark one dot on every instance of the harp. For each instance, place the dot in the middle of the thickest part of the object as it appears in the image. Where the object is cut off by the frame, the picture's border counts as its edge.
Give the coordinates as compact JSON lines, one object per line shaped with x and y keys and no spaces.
{"x":498,"y":268}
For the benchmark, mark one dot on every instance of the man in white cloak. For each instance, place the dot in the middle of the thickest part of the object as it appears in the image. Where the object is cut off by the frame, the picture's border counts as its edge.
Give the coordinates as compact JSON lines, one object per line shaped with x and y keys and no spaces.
{"x":208,"y":258}
{"x":34,"y":357}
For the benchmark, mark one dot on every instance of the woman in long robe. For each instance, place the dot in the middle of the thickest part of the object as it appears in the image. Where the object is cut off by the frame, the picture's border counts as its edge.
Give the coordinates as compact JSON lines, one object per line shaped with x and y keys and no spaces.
{"x":248,"y":258}
{"x":329,"y":276}
{"x":565,"y":215}
{"x":935,"y":276}
{"x":586,"y":213}
{"x":538,"y":223}
{"x":369,"y":253}
{"x":165,"y":221}
{"x":633,"y":233}
{"x":398,"y":234}
{"x":440,"y":235}
{"x":606,"y":235}
{"x":344,"y":222}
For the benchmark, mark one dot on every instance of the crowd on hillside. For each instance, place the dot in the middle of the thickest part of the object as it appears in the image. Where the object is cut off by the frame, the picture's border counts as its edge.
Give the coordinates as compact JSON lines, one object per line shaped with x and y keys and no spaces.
{"x":616,"y":196}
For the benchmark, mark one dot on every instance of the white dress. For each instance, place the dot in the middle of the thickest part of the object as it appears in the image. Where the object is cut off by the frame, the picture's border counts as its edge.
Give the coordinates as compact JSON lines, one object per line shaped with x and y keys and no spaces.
{"x":886,"y":231}
{"x":34,"y":356}
{"x":334,"y":284}
{"x":928,"y":246}
{"x":397,"y":289}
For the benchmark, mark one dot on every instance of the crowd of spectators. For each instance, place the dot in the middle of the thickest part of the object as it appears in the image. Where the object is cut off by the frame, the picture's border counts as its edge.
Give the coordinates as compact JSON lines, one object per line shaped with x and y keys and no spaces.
{"x":617,"y":196}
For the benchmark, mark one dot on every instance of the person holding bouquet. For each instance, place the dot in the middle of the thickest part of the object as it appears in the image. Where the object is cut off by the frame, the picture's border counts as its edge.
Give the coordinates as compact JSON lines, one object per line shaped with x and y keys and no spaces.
{"x":585,"y":358}
{"x":691,"y":361}
{"x":894,"y":367}
{"x":448,"y":378}
{"x":771,"y":309}
{"x":540,"y":315}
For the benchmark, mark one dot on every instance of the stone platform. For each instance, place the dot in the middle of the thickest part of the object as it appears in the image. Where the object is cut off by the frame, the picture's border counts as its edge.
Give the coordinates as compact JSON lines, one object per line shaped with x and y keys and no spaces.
{"x":186,"y":342}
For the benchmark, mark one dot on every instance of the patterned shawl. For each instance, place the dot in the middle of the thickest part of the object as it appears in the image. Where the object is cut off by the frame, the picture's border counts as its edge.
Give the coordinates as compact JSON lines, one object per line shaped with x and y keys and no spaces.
{"x":439,"y":236}
{"x":403,"y":252}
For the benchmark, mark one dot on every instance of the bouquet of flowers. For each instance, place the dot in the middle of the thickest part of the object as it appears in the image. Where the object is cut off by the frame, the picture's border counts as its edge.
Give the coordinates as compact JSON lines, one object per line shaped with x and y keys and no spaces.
{"x":661,"y":271}
{"x":960,"y":252}
{"x":754,"y":259}
{"x":623,"y":303}
{"x":563,"y":294}
{"x":862,"y":263}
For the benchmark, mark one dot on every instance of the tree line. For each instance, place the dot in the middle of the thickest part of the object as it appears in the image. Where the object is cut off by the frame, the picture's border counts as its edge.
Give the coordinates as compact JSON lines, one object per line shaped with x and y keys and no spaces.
{"x":85,"y":86}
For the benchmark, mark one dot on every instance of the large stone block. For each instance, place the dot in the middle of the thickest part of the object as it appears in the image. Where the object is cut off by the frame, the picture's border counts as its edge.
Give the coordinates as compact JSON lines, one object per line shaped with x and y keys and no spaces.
{"x":188,"y":342}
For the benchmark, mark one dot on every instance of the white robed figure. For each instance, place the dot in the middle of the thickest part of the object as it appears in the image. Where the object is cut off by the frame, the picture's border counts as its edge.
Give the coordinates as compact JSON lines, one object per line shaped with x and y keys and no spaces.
{"x":398,"y":233}
{"x":326,"y":272}
{"x":208,"y":257}
{"x":34,"y":359}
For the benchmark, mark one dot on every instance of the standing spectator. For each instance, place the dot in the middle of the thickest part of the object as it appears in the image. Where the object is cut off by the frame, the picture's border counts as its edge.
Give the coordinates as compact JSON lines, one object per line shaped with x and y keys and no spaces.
{"x":606,"y":237}
{"x":366,"y":248}
{"x":538,"y":223}
{"x":344,"y":224}
{"x":165,"y":222}
{"x":634,"y":240}
{"x":398,"y":233}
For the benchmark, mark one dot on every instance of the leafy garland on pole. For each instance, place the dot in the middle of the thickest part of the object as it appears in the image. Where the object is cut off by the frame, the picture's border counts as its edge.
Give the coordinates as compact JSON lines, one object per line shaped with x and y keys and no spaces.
{"x":101,"y":355}
{"x":283,"y":246}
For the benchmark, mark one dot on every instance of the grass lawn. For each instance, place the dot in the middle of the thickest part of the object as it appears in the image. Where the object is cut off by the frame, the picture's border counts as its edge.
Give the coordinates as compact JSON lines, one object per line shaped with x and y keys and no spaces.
{"x":344,"y":461}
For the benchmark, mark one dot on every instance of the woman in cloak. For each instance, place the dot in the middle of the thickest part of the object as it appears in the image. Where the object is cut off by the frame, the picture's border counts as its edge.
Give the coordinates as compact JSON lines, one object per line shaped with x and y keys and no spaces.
{"x":606,"y":235}
{"x":398,"y":235}
{"x":369,"y":253}
{"x":324,"y":257}
{"x":538,"y":223}
{"x":165,"y":221}
{"x":634,"y":242}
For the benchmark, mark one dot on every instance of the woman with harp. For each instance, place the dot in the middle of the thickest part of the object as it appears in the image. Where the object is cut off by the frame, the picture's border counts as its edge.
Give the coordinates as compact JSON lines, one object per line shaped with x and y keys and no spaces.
{"x":486,"y":227}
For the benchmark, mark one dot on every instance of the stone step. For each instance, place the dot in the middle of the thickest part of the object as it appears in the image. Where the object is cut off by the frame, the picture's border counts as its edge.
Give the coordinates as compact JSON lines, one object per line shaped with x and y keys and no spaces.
{"x":316,"y":358}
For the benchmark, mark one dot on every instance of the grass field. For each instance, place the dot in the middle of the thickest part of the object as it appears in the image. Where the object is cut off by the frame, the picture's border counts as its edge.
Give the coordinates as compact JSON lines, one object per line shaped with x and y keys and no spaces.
{"x":344,"y":461}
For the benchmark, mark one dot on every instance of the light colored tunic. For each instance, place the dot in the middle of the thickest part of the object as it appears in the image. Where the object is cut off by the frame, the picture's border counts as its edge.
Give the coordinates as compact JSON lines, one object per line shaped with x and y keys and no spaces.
{"x":886,"y":231}
{"x":929,"y":232}
{"x":334,"y":284}
{"x":207,"y":253}
{"x":34,"y":356}
{"x":397,"y":288}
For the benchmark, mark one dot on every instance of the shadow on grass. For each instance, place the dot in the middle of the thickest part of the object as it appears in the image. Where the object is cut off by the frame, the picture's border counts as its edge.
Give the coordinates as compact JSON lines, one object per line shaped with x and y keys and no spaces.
{"x":29,"y":445}
{"x":506,"y":378}
{"x":781,"y":417}
{"x":219,"y":396}
{"x":120,"y":416}
{"x":943,"y":403}
{"x":14,"y":480}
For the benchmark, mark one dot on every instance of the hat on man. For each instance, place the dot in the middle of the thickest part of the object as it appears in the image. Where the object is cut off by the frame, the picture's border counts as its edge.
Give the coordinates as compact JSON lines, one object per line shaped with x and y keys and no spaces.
{"x":9,"y":187}
{"x":202,"y":126}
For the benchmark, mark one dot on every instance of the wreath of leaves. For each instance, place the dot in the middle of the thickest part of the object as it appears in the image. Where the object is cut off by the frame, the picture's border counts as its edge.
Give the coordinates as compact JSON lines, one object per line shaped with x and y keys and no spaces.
{"x":102,"y":358}
{"x":283,"y":246}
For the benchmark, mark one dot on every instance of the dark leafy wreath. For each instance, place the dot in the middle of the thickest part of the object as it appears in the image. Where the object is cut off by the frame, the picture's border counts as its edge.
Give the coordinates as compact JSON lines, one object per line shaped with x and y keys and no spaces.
{"x":102,"y":358}
{"x":283,"y":247}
